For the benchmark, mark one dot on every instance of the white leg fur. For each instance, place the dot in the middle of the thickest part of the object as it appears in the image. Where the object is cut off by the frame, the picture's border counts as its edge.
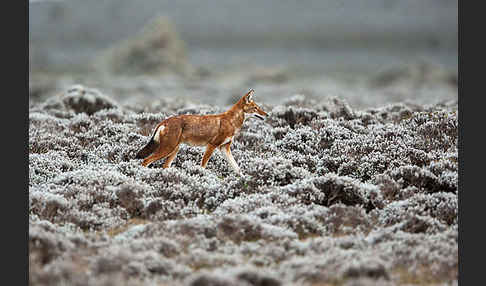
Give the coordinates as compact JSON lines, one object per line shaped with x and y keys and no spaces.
{"x":231,"y":161}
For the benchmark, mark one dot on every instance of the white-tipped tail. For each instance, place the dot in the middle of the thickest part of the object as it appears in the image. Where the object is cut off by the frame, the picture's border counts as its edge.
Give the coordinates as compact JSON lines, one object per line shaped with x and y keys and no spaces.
{"x":157,"y":133}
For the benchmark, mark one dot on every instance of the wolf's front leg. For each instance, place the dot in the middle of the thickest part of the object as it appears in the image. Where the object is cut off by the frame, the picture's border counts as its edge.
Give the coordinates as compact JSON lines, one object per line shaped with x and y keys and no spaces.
{"x":225,"y":149}
{"x":209,"y":151}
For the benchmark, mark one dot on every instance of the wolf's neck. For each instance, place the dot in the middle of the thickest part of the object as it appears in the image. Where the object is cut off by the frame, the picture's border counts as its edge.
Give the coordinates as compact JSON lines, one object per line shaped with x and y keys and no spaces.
{"x":237,"y":115}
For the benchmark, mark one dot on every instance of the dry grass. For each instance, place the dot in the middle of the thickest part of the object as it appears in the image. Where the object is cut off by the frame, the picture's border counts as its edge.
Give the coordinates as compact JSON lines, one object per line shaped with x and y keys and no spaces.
{"x":423,"y":276}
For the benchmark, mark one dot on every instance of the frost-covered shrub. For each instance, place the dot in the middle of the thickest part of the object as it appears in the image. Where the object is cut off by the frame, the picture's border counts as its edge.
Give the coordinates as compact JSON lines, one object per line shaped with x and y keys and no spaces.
{"x":437,"y":130}
{"x":393,"y":113}
{"x":211,"y":280}
{"x":338,"y":108}
{"x":329,"y":194}
{"x":275,"y":171}
{"x":79,"y":99}
{"x":423,"y":209}
{"x":89,"y":101}
{"x":291,"y":116}
{"x":45,"y":244}
{"x":300,"y":100}
{"x":348,"y":191}
{"x":369,"y":268}
{"x":341,"y":219}
{"x":421,"y":178}
{"x":256,"y":279}
{"x":240,"y":229}
{"x":306,"y":192}
{"x":47,"y":205}
{"x":128,"y":197}
{"x":44,"y":167}
{"x":304,"y":140}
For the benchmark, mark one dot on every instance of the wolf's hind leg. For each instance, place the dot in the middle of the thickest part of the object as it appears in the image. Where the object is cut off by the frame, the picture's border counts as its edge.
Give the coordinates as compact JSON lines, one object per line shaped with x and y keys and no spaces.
{"x":163,"y":152}
{"x":169,"y":142}
{"x":171,"y":157}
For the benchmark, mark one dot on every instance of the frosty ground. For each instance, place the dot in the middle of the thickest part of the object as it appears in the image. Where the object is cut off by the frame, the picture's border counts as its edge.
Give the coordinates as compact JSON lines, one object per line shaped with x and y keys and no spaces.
{"x":334,"y":192}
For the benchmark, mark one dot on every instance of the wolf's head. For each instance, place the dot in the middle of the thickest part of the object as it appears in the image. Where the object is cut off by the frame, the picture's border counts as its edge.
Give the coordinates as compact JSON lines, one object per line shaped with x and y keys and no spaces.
{"x":249,"y":106}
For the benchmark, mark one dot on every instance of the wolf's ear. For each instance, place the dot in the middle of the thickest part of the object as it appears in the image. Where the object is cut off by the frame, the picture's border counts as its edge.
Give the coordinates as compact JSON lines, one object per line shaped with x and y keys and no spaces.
{"x":249,"y":96}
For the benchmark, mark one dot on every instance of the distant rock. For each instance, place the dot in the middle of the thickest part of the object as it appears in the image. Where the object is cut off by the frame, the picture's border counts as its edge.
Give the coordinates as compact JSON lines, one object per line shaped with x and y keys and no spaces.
{"x":156,"y":49}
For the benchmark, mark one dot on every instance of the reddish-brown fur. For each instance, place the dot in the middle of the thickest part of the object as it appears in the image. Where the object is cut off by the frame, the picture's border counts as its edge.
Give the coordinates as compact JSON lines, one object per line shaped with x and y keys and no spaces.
{"x":213,"y":131}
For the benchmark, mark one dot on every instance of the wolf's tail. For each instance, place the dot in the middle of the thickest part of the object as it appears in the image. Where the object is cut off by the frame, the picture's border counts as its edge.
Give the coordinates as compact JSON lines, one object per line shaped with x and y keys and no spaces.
{"x":148,"y":149}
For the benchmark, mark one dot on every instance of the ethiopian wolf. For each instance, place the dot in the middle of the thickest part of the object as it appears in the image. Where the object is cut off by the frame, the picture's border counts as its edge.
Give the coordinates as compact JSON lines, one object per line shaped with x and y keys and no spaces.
{"x":213,"y":131}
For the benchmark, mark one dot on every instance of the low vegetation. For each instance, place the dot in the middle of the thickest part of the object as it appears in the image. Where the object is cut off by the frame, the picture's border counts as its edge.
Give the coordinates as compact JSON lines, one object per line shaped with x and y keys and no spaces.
{"x":330,"y":196}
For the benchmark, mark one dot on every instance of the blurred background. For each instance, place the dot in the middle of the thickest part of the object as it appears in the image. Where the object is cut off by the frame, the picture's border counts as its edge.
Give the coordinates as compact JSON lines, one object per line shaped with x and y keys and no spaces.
{"x":370,"y":53}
